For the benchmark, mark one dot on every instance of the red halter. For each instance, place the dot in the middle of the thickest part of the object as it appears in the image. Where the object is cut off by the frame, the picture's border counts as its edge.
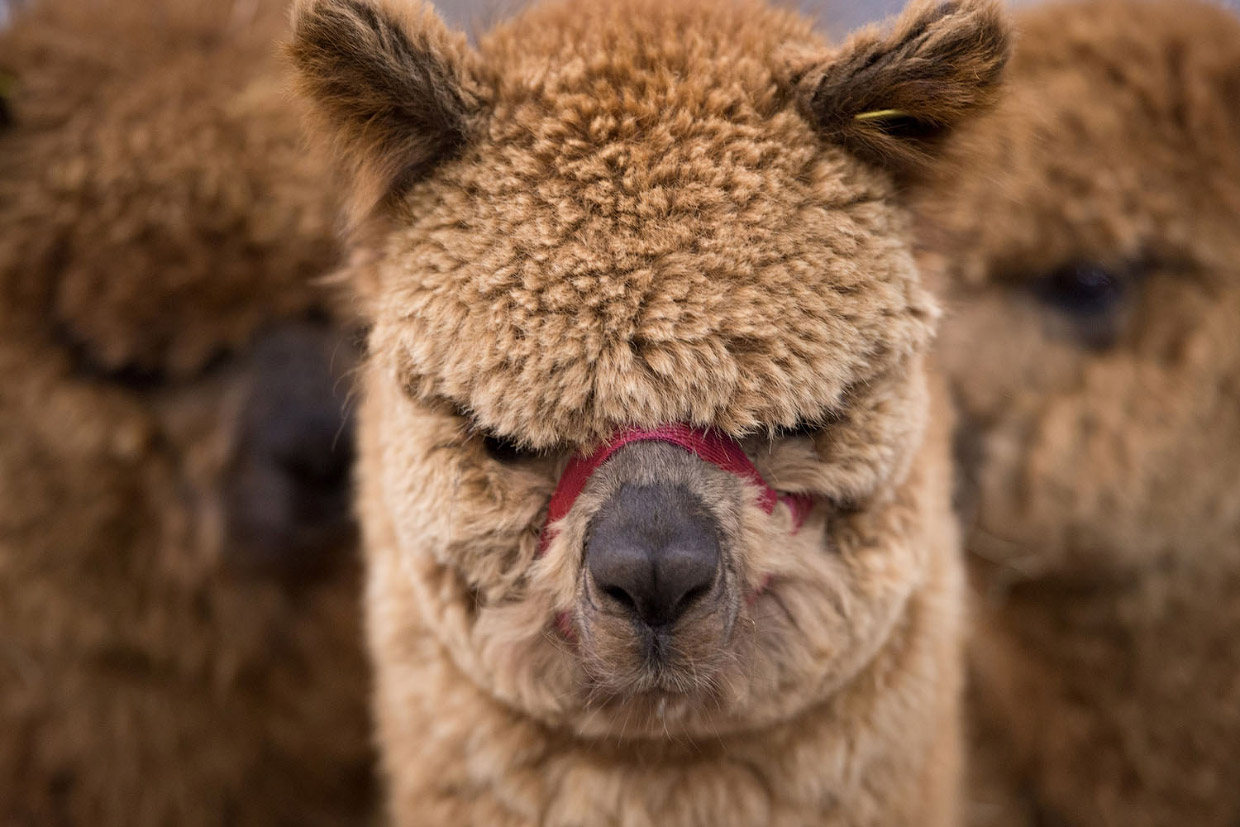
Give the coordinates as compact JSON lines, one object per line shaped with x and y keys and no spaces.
{"x":712,"y":446}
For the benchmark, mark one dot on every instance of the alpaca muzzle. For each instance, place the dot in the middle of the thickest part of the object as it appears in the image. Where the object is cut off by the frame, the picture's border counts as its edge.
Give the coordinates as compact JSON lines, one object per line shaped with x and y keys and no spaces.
{"x":654,"y":549}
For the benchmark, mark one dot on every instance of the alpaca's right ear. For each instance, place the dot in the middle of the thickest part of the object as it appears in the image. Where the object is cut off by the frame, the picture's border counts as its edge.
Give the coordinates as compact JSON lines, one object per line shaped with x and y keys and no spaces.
{"x":396,"y":91}
{"x":891,"y":96}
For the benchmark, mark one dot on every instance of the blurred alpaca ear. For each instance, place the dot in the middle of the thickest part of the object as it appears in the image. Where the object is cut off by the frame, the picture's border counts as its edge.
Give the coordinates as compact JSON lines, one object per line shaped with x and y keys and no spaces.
{"x":395,"y":91}
{"x":891,"y":97}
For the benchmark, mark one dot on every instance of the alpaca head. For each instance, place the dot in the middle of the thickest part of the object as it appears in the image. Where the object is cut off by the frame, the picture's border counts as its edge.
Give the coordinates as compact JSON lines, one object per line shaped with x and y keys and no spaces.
{"x":1088,"y":236}
{"x":663,"y":235}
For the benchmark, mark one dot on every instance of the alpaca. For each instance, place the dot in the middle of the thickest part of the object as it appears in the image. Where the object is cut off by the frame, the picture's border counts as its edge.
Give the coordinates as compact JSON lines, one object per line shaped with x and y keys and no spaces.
{"x":180,"y":638}
{"x":655,"y":511}
{"x":1089,"y":240}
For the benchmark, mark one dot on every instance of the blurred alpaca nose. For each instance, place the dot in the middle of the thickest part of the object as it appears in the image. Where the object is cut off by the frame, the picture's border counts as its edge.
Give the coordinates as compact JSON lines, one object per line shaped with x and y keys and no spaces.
{"x":287,"y":492}
{"x":653,"y":550}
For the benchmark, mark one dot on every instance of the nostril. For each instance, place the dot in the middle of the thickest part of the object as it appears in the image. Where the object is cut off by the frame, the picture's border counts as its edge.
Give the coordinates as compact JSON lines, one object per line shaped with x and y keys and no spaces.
{"x":690,"y":597}
{"x":620,"y":596}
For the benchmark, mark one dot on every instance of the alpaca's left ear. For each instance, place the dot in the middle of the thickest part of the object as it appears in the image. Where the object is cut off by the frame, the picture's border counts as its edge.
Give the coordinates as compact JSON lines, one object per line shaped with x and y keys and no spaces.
{"x":890,"y":97}
{"x":395,"y":91}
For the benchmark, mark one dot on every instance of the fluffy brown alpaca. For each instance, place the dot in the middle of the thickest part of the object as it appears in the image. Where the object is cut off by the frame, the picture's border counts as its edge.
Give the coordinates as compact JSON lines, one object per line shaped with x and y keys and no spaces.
{"x":168,"y":422}
{"x":1092,"y":237}
{"x":628,"y":215}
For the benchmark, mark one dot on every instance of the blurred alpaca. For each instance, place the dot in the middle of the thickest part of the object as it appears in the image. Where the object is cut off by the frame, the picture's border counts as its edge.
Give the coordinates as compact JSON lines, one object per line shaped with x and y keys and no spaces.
{"x":1090,"y":236}
{"x":177,"y":593}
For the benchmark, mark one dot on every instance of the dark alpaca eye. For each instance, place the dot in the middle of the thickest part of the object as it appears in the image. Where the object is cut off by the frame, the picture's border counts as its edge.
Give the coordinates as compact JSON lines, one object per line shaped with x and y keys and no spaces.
{"x":800,"y":430}
{"x":505,"y":449}
{"x":1085,"y":291}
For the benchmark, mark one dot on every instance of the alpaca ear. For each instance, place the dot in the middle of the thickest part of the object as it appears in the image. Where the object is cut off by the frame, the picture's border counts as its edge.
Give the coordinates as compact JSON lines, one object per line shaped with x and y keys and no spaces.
{"x":394,"y":89}
{"x":890,"y":97}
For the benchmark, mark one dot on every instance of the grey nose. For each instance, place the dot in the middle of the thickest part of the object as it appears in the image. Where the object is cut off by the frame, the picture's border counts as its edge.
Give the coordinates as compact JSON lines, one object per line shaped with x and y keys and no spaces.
{"x":287,"y":488}
{"x":653,"y":550}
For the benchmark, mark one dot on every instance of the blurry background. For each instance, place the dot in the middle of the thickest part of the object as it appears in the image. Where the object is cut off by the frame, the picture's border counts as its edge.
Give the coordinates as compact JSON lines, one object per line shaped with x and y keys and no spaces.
{"x":838,"y":15}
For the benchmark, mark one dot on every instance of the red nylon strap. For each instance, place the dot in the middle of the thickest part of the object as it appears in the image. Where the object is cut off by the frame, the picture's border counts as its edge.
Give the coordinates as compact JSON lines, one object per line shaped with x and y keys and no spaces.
{"x":712,"y":446}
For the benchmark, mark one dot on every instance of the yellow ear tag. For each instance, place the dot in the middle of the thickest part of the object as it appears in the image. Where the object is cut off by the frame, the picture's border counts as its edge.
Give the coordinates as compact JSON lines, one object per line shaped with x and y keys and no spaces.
{"x":880,"y":114}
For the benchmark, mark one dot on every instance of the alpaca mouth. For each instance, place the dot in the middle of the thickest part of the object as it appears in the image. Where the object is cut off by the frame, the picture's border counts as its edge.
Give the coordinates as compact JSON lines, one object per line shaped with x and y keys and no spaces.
{"x":672,"y":669}
{"x":640,"y":661}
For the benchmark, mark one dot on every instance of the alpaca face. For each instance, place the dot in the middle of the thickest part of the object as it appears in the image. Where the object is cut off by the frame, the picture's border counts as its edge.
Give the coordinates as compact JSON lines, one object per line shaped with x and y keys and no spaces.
{"x":563,"y":636}
{"x":1090,"y":239}
{"x":175,"y":532}
{"x":169,"y":281}
{"x":603,"y":224}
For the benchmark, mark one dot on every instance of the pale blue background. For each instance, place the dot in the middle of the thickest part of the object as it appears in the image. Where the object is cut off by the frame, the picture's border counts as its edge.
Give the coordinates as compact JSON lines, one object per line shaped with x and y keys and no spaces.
{"x":838,"y":16}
